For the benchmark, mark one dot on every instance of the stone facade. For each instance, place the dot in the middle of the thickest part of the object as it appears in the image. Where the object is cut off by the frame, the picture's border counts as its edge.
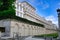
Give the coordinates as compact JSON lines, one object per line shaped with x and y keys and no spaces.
{"x":25,"y":29}
{"x":22,"y":29}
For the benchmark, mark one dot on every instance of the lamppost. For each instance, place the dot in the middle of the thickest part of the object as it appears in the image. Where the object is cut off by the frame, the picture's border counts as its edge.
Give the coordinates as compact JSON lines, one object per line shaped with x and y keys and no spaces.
{"x":58,"y":11}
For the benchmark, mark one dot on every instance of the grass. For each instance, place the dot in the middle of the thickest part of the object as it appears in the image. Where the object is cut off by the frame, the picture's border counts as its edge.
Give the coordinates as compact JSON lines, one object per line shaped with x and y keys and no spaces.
{"x":54,"y":35}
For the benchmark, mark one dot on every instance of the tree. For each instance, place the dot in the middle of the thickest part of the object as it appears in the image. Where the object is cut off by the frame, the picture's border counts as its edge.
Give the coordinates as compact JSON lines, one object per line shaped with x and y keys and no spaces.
{"x":7,"y":8}
{"x":6,"y":4}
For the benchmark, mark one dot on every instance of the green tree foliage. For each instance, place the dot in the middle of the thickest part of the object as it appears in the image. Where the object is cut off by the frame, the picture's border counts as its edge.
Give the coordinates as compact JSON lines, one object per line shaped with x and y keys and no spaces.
{"x":6,"y":4}
{"x":7,"y":8}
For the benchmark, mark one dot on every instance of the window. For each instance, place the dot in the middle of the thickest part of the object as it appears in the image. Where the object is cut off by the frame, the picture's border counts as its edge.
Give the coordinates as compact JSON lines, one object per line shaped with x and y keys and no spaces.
{"x":17,"y":13}
{"x":17,"y":7}
{"x":21,"y":8}
{"x":20,"y":14}
{"x":2,"y":29}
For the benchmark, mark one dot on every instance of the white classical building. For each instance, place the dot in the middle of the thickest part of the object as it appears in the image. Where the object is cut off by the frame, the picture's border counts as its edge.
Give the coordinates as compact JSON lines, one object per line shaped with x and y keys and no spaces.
{"x":26,"y":12}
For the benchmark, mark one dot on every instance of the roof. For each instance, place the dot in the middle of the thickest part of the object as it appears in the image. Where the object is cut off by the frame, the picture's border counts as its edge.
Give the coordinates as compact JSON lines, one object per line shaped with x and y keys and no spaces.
{"x":28,"y":4}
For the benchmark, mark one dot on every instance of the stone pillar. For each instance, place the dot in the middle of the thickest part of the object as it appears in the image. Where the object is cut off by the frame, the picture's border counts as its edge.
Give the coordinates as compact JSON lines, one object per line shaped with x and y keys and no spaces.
{"x":58,"y":11}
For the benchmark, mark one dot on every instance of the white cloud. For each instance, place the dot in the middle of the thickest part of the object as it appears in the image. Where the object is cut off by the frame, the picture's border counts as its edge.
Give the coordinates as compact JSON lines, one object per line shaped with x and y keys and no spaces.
{"x":45,"y":7}
{"x":40,"y":3}
{"x":33,"y":1}
{"x":53,"y":19}
{"x":43,"y":4}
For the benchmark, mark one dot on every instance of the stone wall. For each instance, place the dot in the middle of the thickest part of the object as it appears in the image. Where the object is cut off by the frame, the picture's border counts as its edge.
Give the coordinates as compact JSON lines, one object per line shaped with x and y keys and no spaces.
{"x":24,"y":29}
{"x":6,"y":24}
{"x":13,"y":27}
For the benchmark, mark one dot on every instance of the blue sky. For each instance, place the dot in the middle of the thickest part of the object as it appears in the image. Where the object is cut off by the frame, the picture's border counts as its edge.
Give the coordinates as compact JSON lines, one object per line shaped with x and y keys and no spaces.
{"x":46,"y":8}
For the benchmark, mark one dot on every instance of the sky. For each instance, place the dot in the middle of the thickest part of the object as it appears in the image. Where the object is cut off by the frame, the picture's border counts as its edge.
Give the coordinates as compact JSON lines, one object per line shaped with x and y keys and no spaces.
{"x":46,"y":8}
